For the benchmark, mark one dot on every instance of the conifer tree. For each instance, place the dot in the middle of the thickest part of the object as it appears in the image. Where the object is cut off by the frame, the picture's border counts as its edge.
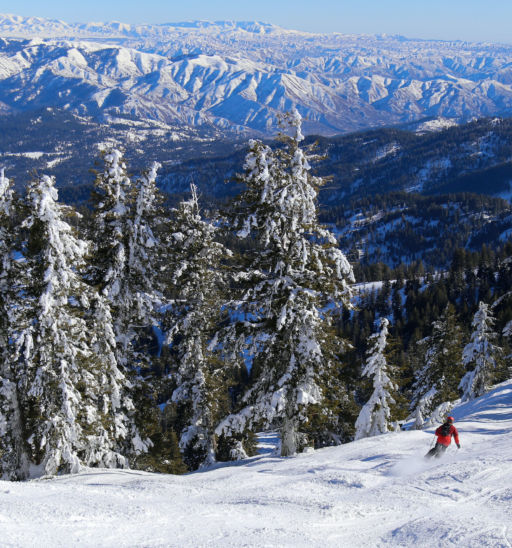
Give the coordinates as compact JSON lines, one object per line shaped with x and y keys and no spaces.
{"x":195,"y":274}
{"x":438,"y":379}
{"x":145,"y":247}
{"x":294,"y":271}
{"x":123,"y":267}
{"x":111,"y":234}
{"x":480,"y":355}
{"x":126,"y":252}
{"x":6,"y":248}
{"x":63,"y":395}
{"x":13,"y":455}
{"x":375,"y":416}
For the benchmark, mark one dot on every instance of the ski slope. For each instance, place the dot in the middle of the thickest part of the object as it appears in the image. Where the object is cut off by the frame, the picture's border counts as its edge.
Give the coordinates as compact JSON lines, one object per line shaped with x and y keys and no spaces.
{"x":373,"y":492}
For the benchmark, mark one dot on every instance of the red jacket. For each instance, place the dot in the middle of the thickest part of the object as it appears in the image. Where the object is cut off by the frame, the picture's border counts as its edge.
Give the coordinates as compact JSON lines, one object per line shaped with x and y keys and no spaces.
{"x":446,"y":440}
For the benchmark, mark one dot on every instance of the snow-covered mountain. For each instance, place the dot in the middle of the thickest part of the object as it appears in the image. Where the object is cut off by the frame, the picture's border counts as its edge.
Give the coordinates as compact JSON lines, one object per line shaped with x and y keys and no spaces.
{"x":373,"y":492}
{"x":239,"y":76}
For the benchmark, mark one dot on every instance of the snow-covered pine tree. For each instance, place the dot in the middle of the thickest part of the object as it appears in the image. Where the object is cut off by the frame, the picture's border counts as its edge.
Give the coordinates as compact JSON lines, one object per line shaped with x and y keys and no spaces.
{"x":375,"y":416}
{"x":6,"y":243}
{"x":111,"y":234}
{"x":6,"y":232}
{"x":122,"y":267}
{"x":63,"y":398}
{"x":438,"y":379}
{"x":6,"y":248}
{"x":145,"y":255}
{"x":195,"y":273}
{"x":13,"y":454}
{"x":295,"y":278}
{"x":480,"y":355}
{"x":126,"y":252}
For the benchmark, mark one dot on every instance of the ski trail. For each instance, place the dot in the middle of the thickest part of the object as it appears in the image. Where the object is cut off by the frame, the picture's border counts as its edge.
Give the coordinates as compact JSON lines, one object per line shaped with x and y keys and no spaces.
{"x":374,"y":492}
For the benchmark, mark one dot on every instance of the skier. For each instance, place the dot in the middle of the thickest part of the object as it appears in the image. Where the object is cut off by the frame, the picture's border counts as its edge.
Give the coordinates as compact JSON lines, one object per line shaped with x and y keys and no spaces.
{"x":444,"y":437}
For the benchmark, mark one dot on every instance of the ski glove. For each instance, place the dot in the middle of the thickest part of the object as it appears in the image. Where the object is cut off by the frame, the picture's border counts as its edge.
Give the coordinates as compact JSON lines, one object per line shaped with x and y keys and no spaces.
{"x":458,"y":446}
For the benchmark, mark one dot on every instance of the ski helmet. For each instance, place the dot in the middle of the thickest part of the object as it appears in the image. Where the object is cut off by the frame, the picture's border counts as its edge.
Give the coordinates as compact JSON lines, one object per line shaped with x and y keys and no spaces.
{"x":449,"y":419}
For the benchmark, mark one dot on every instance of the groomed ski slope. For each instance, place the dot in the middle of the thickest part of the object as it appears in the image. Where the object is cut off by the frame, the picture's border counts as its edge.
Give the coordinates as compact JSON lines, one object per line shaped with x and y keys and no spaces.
{"x":373,"y":492}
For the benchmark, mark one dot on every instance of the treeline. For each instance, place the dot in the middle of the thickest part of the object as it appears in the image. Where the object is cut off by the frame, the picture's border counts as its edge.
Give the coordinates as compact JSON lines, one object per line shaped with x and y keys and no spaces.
{"x":472,"y":157}
{"x":59,"y":143}
{"x":371,"y":272}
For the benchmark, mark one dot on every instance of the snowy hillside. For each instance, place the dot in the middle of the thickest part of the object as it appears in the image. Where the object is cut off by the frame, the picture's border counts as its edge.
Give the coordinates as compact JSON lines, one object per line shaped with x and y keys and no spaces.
{"x":373,"y":492}
{"x":238,"y":76}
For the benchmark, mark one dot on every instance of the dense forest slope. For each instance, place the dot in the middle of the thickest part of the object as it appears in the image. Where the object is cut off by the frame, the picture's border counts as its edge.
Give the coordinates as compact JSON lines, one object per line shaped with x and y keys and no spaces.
{"x":393,"y":196}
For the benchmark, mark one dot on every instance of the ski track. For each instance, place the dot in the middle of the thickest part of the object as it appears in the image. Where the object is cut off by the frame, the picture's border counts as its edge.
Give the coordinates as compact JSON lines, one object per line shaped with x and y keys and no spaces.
{"x":373,"y":492}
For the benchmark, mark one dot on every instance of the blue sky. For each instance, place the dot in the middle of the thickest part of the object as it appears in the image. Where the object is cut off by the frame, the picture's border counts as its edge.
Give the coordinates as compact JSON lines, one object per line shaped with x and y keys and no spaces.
{"x":445,"y":19}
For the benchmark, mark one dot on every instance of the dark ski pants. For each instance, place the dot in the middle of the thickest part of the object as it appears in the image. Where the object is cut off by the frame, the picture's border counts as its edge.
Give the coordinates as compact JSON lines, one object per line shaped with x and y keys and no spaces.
{"x":437,"y":451}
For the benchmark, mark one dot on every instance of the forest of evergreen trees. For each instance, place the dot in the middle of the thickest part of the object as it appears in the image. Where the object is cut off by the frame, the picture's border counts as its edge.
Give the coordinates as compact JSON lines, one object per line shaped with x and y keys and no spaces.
{"x":432,"y":326}
{"x":137,"y":336}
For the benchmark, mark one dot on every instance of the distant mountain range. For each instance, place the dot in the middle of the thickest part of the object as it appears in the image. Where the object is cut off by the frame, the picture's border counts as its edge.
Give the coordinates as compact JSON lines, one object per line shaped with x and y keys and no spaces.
{"x":424,"y":167}
{"x":235,"y":78}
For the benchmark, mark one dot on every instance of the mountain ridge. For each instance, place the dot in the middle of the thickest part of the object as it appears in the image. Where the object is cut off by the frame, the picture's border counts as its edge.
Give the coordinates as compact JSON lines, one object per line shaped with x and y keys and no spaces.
{"x":240,"y":76}
{"x":252,"y":26}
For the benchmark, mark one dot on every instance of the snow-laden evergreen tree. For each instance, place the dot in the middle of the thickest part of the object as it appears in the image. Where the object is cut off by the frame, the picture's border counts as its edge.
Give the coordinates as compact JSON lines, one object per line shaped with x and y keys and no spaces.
{"x":375,"y":416}
{"x":126,"y":251}
{"x":145,"y":249}
{"x":6,"y":243}
{"x":13,"y":454}
{"x":196,"y":277}
{"x":295,"y":278}
{"x":69,"y":395}
{"x":123,"y":265}
{"x":480,"y":355}
{"x":6,"y":248}
{"x":111,"y":234}
{"x":438,"y":379}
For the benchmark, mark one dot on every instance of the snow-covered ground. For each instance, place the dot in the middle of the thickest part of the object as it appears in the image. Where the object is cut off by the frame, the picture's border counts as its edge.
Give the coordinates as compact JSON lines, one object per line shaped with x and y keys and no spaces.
{"x":373,"y":492}
{"x":437,"y":124}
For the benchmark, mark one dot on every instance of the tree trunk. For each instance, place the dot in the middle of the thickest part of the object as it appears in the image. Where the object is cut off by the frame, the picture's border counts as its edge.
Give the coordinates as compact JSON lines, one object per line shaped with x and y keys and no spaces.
{"x":18,"y":461}
{"x":288,"y":438}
